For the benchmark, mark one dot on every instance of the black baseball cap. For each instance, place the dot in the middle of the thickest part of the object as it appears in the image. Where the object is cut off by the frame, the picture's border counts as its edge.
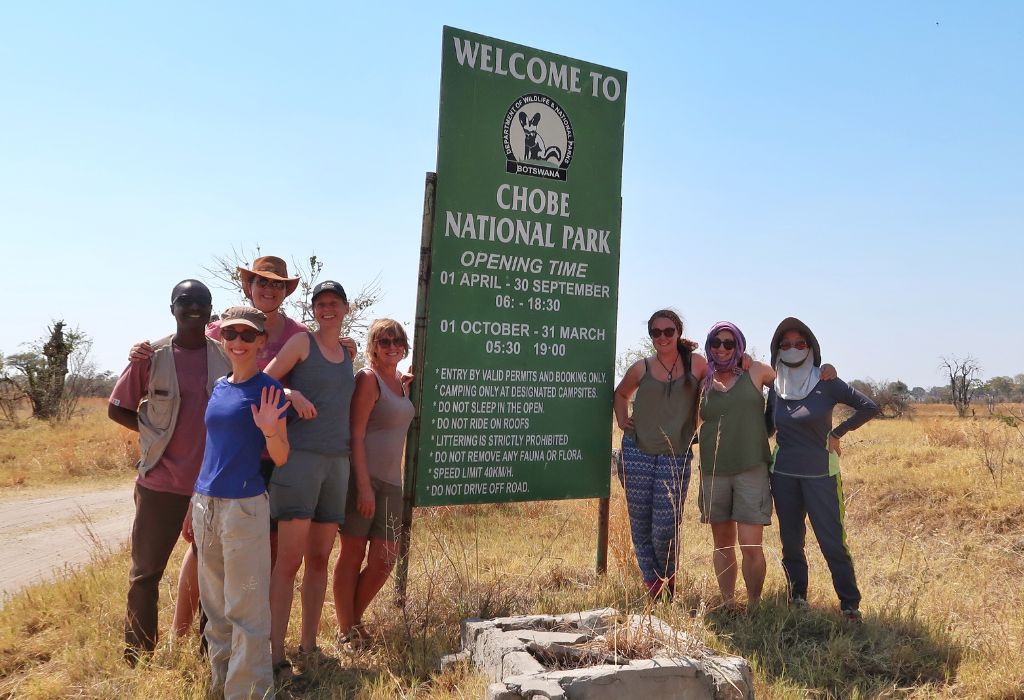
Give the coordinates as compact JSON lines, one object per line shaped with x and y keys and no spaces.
{"x":329,"y":286}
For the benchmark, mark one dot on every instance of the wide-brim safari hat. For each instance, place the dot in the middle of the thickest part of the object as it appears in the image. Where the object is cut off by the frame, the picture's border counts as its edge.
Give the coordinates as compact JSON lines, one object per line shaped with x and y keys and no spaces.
{"x":270,"y":267}
{"x":795,"y":324}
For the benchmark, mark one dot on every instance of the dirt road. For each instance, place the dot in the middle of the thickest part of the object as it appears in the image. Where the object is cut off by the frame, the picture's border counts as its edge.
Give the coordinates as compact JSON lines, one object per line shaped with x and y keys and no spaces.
{"x":42,"y":533}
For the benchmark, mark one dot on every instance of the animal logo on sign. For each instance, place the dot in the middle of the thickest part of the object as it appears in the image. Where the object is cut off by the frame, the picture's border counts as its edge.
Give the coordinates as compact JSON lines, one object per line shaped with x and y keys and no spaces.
{"x":536,"y":149}
{"x":542,"y":143}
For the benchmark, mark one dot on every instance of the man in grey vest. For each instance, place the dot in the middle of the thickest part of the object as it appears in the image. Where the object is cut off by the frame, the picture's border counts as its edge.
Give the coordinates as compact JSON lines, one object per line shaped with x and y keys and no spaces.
{"x":164,"y":399}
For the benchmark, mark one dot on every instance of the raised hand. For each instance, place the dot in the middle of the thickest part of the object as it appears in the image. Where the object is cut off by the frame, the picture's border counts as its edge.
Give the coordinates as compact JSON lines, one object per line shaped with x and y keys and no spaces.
{"x":269,"y":413}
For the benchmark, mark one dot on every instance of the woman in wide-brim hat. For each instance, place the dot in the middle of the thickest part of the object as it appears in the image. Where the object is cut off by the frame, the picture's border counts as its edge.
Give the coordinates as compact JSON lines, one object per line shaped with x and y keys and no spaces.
{"x":805,"y":475}
{"x":267,"y":284}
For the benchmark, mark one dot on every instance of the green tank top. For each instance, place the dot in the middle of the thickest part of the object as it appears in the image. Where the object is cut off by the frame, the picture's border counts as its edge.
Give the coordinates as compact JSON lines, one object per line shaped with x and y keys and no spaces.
{"x":733,"y":437}
{"x":664,"y":414}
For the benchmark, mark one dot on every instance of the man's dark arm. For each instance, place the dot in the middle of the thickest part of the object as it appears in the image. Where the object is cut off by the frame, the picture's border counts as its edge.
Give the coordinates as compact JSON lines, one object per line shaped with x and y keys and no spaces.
{"x":123,"y":416}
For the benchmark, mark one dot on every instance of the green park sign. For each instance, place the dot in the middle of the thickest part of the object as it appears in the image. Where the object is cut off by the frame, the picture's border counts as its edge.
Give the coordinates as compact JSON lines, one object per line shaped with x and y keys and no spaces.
{"x":523,"y":286}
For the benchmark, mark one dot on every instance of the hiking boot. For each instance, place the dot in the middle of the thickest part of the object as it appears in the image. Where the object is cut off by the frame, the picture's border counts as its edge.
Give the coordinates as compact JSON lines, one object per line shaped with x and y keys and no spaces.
{"x":798,"y":602}
{"x":286,"y":678}
{"x":309,"y":659}
{"x":853,"y":616}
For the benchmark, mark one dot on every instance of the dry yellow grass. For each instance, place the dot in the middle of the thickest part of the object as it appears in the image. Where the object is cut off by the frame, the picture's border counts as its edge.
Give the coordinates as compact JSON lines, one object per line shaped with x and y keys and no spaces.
{"x":937,"y":539}
{"x":88,"y":447}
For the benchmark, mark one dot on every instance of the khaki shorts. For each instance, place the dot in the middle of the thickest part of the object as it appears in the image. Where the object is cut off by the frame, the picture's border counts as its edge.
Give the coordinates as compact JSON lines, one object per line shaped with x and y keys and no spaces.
{"x":745,"y":497}
{"x":386,"y":522}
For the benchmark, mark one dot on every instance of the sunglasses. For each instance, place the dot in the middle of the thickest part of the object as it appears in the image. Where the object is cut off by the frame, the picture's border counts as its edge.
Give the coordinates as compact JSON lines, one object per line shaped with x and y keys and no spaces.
{"x":263,"y":282}
{"x":658,"y":332}
{"x":389,"y":342}
{"x":186,"y":301}
{"x":718,"y":343}
{"x":247,"y":336}
{"x":799,"y":345}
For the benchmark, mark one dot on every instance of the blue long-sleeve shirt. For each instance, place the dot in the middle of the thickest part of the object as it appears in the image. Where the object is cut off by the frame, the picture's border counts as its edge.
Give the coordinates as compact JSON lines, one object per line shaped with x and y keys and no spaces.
{"x":803,"y":426}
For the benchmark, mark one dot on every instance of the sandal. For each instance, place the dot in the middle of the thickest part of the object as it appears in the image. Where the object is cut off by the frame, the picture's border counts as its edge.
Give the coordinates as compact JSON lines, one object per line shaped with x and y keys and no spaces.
{"x":357,"y":638}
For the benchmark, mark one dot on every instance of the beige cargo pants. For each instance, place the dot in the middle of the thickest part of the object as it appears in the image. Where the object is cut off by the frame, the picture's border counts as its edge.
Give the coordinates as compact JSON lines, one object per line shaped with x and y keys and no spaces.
{"x":233,"y":540}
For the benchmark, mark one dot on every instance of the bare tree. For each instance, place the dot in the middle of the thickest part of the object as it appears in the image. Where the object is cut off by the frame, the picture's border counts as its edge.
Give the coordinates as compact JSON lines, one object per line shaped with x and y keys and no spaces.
{"x":224,"y":271}
{"x":963,"y":380}
{"x":630,"y":356}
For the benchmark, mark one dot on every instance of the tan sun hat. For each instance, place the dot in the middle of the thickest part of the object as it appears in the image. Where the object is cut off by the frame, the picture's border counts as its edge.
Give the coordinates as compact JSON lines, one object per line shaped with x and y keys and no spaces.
{"x":244,"y":316}
{"x":270,"y":267}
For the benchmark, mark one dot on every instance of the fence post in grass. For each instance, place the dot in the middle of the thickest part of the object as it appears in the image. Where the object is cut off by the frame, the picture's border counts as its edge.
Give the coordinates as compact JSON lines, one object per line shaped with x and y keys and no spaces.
{"x":418,"y":355}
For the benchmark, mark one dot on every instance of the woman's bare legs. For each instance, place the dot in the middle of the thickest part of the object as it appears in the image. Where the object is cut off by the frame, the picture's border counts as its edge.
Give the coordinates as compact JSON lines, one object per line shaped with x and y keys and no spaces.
{"x":314,"y":580}
{"x":724,"y":559}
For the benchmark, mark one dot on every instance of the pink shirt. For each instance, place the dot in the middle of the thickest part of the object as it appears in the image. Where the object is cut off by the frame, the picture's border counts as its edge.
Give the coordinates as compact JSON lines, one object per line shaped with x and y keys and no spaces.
{"x":270,"y":349}
{"x":178,"y":467}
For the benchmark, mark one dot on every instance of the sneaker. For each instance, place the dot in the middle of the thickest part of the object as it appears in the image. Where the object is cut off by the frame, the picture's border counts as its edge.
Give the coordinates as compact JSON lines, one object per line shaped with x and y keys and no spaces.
{"x":799,"y":602}
{"x":853,"y":616}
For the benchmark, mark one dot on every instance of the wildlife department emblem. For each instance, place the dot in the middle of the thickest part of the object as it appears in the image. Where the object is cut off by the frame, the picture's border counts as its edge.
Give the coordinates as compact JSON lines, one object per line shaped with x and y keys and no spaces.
{"x":538,"y":138}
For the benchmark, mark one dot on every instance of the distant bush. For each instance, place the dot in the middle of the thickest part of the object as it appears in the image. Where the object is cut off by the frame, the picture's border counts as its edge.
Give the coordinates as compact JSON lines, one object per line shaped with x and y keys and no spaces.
{"x":893,"y":398}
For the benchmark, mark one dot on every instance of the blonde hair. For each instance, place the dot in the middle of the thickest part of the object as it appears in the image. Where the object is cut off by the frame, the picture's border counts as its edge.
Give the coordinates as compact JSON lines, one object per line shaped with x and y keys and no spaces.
{"x":381,"y":328}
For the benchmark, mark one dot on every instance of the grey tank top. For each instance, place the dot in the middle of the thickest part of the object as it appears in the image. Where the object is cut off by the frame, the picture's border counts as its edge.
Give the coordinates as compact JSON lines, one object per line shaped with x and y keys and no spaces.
{"x":664,"y":414}
{"x":329,"y":385}
{"x":385,"y":433}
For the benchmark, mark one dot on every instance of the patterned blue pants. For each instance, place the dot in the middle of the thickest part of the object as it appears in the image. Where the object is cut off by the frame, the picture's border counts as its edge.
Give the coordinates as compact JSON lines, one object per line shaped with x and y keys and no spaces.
{"x":655,"y":488}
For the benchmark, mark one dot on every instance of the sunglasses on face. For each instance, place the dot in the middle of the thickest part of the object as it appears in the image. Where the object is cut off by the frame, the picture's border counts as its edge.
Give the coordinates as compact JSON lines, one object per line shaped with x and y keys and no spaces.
{"x":799,"y":345}
{"x":247,"y":336}
{"x":185,"y":301}
{"x":718,"y":343}
{"x":658,"y":332}
{"x":263,"y":282}
{"x":389,"y":342}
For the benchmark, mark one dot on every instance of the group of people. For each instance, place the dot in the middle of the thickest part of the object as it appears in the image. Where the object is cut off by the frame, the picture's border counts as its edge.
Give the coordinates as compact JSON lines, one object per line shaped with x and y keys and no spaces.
{"x":258,"y":444}
{"x":718,"y":401}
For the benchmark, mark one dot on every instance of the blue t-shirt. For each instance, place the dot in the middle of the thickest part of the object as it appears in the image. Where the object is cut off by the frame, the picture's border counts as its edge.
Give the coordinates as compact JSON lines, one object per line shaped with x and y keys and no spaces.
{"x":234,"y":443}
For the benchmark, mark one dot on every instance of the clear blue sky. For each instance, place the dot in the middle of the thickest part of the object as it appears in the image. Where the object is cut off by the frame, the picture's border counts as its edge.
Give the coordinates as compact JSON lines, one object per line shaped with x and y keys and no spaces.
{"x":856,"y":165}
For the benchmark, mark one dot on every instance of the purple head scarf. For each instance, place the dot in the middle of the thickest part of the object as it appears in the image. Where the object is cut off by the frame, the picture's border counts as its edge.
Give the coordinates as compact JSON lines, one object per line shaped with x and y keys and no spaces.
{"x":734,"y":362}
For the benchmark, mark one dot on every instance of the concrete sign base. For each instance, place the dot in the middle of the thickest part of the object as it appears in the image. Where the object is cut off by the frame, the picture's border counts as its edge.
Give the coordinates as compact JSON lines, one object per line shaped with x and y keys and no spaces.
{"x":598,"y":655}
